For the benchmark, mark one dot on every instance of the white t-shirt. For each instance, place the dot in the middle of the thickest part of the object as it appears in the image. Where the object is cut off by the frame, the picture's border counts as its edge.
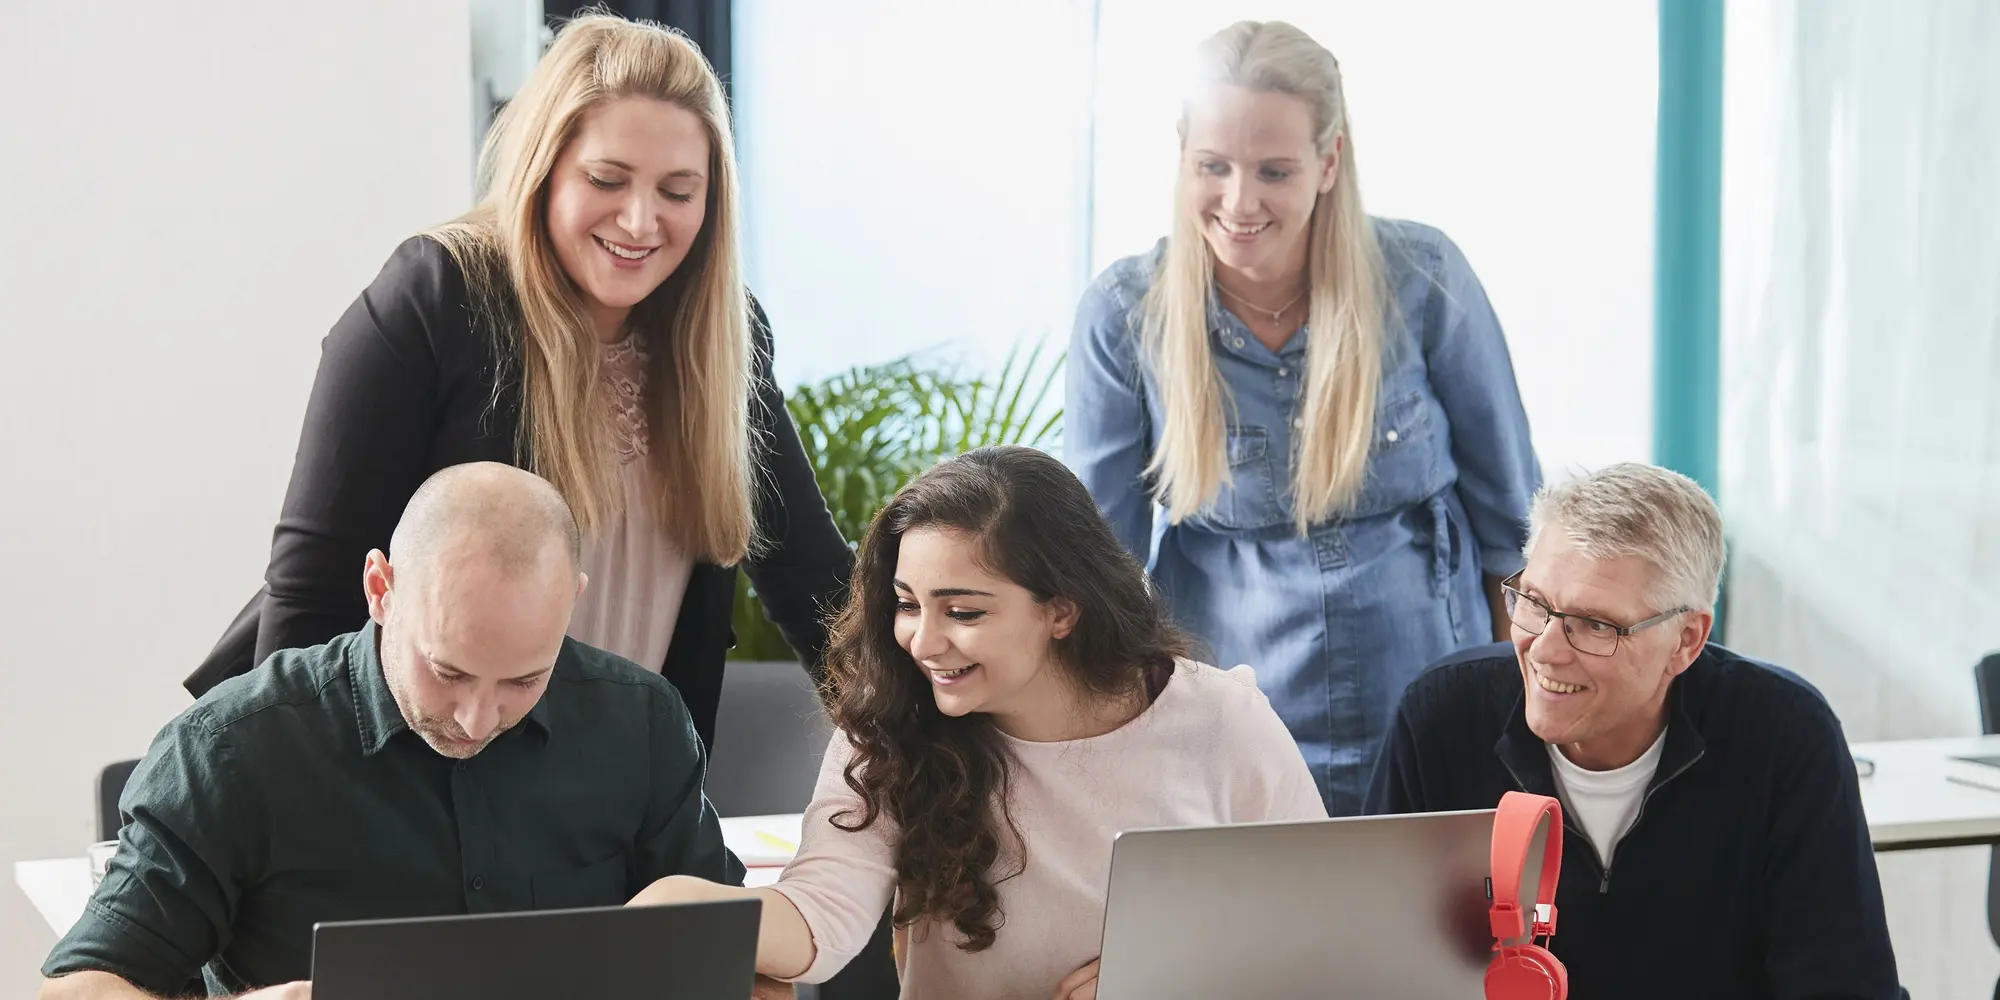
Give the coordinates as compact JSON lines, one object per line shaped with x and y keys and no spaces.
{"x":1606,"y":803}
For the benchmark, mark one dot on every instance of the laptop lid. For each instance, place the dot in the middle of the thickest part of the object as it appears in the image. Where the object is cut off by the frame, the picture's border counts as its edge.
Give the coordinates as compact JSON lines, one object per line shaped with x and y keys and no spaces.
{"x":691,"y":951}
{"x":1361,"y":908}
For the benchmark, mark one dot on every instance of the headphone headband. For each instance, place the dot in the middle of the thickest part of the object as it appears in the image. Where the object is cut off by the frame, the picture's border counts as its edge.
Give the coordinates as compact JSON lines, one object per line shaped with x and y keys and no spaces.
{"x":1521,"y":817}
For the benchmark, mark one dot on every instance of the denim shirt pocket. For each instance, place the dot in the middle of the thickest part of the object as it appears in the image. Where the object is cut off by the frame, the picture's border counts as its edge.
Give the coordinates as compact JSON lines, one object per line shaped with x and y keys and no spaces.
{"x":1402,"y":457}
{"x":1250,"y":499}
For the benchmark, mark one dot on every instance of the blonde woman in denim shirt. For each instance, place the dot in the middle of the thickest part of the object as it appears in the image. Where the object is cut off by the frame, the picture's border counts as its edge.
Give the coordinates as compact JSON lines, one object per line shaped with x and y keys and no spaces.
{"x":1321,"y":405}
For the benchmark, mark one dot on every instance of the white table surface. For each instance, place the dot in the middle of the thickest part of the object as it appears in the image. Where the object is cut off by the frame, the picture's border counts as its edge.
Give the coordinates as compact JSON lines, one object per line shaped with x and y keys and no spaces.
{"x":1911,"y":806}
{"x":60,"y":886}
{"x":763,"y":842}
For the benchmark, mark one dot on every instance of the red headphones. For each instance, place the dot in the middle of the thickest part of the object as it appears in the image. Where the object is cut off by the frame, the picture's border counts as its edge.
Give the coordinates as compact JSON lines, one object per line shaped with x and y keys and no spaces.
{"x":1522,"y":969}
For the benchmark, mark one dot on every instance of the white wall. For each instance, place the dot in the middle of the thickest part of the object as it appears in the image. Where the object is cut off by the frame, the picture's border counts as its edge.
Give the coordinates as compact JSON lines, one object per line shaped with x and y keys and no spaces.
{"x":1861,"y":391}
{"x":1524,"y":131}
{"x":194,"y":191}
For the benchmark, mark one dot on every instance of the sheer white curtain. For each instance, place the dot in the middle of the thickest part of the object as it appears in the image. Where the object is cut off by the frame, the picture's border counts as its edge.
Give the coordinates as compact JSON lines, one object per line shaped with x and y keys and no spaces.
{"x":914,"y":174}
{"x":1861,"y":391}
{"x":1524,"y":131}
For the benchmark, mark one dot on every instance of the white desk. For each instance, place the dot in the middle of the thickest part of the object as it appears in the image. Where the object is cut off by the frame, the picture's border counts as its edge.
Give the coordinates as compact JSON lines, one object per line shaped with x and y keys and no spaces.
{"x":765,"y":844}
{"x":60,"y":886}
{"x":1911,"y":806}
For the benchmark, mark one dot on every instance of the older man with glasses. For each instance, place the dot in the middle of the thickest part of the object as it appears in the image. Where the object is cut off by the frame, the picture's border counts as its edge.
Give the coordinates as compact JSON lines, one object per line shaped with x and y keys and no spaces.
{"x":1714,"y":840}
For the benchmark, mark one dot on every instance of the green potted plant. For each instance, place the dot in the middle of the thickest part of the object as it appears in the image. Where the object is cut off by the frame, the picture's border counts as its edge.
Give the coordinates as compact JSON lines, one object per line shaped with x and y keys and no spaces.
{"x":871,"y":428}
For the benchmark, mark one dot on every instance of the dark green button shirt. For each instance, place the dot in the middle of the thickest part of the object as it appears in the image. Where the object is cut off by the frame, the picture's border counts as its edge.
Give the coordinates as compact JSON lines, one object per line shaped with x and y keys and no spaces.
{"x":297,"y":794}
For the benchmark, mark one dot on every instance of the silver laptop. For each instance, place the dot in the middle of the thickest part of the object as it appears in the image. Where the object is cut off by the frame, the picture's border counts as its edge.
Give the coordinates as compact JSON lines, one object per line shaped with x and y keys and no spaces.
{"x":692,"y":951}
{"x":1354,"y":909}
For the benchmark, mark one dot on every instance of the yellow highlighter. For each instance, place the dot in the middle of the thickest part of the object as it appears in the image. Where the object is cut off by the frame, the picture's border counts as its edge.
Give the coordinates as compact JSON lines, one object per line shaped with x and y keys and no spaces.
{"x":770,"y":840}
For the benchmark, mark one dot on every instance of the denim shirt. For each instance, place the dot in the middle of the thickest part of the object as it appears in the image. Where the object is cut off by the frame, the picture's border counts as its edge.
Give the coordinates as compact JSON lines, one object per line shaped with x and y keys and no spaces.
{"x":1338,"y":621}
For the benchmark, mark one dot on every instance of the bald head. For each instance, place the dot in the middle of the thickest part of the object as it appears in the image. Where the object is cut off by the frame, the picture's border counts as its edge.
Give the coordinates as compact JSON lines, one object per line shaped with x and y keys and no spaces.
{"x":472,"y":602}
{"x":485,"y":510}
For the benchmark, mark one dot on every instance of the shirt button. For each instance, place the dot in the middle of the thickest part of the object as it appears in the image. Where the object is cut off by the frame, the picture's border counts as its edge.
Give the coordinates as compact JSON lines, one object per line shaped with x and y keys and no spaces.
{"x":1237,"y":341}
{"x":1284,"y":371}
{"x":1391,"y":436}
{"x":478,"y":882}
{"x":1298,"y":422}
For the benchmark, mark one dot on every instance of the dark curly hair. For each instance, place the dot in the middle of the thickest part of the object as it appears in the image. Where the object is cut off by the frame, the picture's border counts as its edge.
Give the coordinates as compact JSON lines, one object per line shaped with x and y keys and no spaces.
{"x":943,"y":781}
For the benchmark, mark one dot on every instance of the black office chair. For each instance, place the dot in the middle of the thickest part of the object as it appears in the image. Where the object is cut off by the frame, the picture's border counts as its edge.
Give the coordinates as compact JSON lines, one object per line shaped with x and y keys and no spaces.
{"x":773,"y":731}
{"x":110,"y":785}
{"x":1986,"y":680}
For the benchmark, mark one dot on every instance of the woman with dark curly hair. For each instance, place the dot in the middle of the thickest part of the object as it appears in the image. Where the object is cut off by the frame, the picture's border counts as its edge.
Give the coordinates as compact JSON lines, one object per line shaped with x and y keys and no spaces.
{"x":1011,"y":696}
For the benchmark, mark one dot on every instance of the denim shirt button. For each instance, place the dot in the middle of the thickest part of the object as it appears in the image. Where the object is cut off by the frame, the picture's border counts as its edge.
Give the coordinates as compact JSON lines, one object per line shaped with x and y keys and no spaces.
{"x":1298,"y":421}
{"x":1284,"y":371}
{"x":1237,"y":341}
{"x":1391,"y":436}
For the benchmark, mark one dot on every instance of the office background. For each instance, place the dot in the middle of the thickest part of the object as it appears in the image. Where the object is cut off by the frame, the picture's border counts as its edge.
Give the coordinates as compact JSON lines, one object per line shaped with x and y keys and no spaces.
{"x":197,"y":189}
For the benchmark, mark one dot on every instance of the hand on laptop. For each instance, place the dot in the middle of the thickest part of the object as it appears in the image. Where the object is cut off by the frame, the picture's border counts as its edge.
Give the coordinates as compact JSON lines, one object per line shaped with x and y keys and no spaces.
{"x":289,"y":991}
{"x":95,"y":985}
{"x":784,"y":941}
{"x":772,"y":989}
{"x":1079,"y":985}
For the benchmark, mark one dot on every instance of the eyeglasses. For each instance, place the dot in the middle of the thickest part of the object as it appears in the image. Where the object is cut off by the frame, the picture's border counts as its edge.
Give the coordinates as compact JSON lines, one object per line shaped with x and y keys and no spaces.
{"x":1585,"y":635}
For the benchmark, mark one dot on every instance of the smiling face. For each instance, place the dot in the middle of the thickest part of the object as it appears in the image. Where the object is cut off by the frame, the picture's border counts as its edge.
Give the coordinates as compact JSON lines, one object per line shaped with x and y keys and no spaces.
{"x":626,"y":201}
{"x":1603,"y":712}
{"x":1252,"y":176}
{"x":982,"y":641}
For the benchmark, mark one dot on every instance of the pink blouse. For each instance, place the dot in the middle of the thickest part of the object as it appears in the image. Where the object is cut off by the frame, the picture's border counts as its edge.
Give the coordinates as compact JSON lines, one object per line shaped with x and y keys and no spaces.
{"x":637,"y":575}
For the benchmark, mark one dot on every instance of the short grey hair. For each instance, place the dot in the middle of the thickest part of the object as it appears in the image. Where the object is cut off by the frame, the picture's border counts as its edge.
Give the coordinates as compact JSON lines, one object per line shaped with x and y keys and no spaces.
{"x":1632,"y":509}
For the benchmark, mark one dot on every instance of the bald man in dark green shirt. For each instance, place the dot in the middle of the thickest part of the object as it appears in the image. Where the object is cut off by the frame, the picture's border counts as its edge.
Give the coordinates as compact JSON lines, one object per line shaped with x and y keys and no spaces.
{"x":459,"y":754}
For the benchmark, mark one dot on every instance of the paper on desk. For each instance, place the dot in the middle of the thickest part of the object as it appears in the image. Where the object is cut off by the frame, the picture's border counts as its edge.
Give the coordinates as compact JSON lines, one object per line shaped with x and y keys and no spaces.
{"x":763,"y":841}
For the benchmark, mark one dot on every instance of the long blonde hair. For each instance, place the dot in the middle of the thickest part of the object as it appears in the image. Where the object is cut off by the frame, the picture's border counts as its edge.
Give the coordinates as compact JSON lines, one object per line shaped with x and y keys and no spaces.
{"x":1346,"y":297}
{"x":695,"y":325}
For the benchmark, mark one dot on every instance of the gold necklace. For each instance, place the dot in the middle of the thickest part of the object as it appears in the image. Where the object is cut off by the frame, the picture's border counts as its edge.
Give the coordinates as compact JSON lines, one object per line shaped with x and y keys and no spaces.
{"x":1275,"y":314}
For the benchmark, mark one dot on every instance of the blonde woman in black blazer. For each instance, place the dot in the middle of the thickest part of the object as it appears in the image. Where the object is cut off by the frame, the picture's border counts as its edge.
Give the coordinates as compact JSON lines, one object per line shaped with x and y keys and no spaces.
{"x":586,"y":321}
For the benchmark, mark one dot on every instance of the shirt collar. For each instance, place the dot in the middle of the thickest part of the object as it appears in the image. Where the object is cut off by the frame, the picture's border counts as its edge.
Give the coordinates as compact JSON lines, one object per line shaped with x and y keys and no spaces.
{"x":1527,"y":757}
{"x":1229,"y":331}
{"x":380,"y":718}
{"x":539,"y":716}
{"x":375,"y":706}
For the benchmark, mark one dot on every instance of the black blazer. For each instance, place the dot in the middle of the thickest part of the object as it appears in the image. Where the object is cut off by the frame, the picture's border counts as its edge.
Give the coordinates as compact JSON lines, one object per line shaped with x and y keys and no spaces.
{"x":405,"y":388}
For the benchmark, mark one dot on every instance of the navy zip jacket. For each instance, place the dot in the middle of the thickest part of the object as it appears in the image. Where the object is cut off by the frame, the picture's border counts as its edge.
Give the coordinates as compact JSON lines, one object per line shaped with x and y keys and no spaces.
{"x":1749,"y":872}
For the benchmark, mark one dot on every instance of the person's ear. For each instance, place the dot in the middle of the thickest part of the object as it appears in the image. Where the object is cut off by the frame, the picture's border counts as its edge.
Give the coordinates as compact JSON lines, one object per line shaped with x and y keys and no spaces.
{"x":1689,"y":640}
{"x":1063,"y":615}
{"x":377,"y":579}
{"x":1330,"y":165}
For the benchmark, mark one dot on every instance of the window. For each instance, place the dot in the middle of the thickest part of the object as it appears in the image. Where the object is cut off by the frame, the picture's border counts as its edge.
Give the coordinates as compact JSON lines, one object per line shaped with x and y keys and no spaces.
{"x":1524,"y":132}
{"x":915,"y":175}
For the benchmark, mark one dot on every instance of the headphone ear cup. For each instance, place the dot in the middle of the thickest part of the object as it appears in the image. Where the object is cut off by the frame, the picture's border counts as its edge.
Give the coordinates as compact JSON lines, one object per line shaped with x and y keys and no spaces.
{"x":1526,"y":972}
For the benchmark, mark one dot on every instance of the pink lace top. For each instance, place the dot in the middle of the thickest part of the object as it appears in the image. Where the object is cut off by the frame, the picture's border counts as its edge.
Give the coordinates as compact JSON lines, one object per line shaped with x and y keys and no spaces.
{"x":637,"y":575}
